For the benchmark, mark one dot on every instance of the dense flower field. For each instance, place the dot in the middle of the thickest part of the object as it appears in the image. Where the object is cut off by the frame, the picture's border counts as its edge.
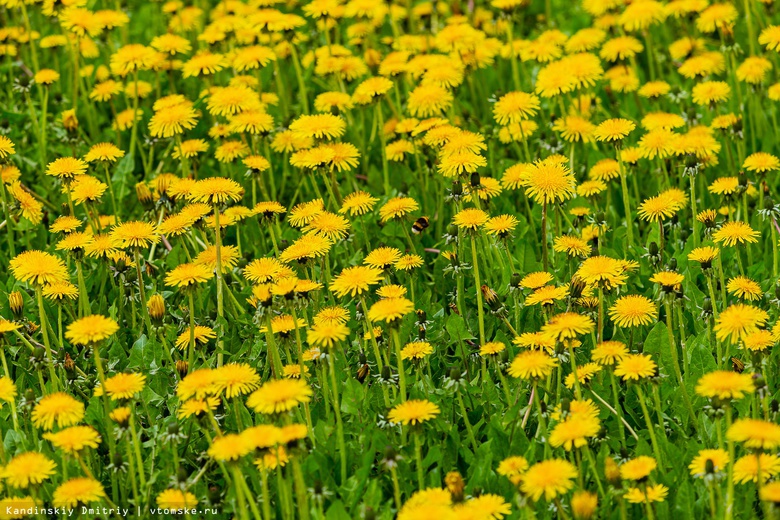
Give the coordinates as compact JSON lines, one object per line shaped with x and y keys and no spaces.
{"x":416,"y":260}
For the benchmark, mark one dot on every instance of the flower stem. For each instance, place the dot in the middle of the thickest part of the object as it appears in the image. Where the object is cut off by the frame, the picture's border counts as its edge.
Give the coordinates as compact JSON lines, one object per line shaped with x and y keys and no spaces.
{"x":480,"y":311}
{"x":220,"y":296}
{"x":649,"y":424}
{"x":676,"y":362}
{"x":339,"y":422}
{"x":418,"y":457}
{"x":401,"y":371}
{"x":45,"y":331}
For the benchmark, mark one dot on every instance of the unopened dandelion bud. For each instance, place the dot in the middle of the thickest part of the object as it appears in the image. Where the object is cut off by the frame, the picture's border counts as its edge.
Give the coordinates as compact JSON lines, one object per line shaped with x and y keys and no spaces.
{"x":706,"y":305}
{"x":144,"y":193}
{"x":421,"y":332}
{"x":181,"y":474}
{"x":156,"y":306}
{"x":565,"y":405}
{"x":672,"y":264}
{"x":612,"y":472}
{"x":457,"y":188}
{"x":117,"y":460}
{"x":455,"y":485}
{"x":390,"y":453}
{"x":774,"y":405}
{"x":121,"y":416}
{"x":369,"y":514}
{"x":214,"y":495}
{"x":709,"y":467}
{"x":489,"y":294}
{"x":69,"y":120}
{"x":38,"y":353}
{"x":385,"y":373}
{"x":576,"y":287}
{"x":16,"y":303}
{"x":182,"y":367}
{"x":515,"y":279}
{"x":584,"y":505}
{"x":652,"y":248}
{"x":759,"y":382}
{"x":452,"y":230}
{"x":475,"y":180}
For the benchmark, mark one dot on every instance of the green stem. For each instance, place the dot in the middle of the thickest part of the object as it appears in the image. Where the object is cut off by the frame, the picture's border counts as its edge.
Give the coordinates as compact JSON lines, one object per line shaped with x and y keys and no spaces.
{"x":339,"y":422}
{"x":649,"y":424}
{"x":480,"y":310}
{"x":220,"y":296}
{"x":401,"y":371}
{"x":45,"y":331}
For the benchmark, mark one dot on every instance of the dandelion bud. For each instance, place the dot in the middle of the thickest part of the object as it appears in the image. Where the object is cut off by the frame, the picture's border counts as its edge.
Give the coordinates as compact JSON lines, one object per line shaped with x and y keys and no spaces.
{"x":182,"y":367}
{"x":455,"y":374}
{"x":144,"y":193}
{"x":565,"y":405}
{"x":422,"y":317}
{"x":16,"y":303}
{"x":214,"y":495}
{"x":38,"y":353}
{"x":390,"y":453}
{"x":652,"y":248}
{"x":774,"y":405}
{"x":706,"y":305}
{"x":156,"y":306}
{"x":121,"y":416}
{"x":612,"y":472}
{"x":709,"y":467}
{"x":457,"y":188}
{"x":514,"y":281}
{"x":181,"y":474}
{"x":455,"y":485}
{"x":584,"y":505}
{"x":672,"y":264}
{"x":369,"y":513}
{"x":576,"y":287}
{"x":759,"y":382}
{"x":117,"y":460}
{"x":475,"y":180}
{"x":386,"y":373}
{"x":691,"y":161}
{"x":489,"y":294}
{"x":29,"y":396}
{"x":452,"y":230}
{"x":69,"y":120}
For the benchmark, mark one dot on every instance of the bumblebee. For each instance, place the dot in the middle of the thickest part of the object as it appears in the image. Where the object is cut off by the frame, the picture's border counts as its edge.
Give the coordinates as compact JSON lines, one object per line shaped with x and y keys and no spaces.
{"x":420,"y":225}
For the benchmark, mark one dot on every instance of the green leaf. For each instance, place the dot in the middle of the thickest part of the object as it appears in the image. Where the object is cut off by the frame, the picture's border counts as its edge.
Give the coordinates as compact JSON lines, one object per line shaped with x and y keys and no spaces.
{"x":657,"y":345}
{"x":337,"y":511}
{"x":456,"y":328}
{"x":122,"y":180}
